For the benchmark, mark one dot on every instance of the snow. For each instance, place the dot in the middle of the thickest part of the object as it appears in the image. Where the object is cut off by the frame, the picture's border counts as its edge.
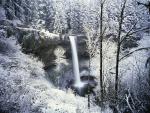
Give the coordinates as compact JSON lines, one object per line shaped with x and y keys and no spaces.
{"x":2,"y":33}
{"x":43,"y":32}
{"x":145,"y":41}
{"x":2,"y":13}
{"x":48,"y":34}
{"x":17,"y":22}
{"x":60,"y":60}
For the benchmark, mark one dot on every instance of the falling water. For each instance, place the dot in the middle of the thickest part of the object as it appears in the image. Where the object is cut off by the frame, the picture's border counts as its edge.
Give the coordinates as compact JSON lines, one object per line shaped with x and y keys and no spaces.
{"x":78,"y":82}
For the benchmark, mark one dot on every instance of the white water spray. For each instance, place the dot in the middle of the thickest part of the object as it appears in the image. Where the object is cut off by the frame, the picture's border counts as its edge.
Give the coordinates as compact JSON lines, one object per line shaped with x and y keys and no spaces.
{"x":78,"y":82}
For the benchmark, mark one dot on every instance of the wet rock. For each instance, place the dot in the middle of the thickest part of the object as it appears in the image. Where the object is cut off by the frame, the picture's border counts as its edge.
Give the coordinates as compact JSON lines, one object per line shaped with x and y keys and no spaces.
{"x":67,"y":82}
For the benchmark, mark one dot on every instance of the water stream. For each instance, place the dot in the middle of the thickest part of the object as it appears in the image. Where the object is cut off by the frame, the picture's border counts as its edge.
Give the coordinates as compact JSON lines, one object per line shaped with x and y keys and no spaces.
{"x":78,"y":82}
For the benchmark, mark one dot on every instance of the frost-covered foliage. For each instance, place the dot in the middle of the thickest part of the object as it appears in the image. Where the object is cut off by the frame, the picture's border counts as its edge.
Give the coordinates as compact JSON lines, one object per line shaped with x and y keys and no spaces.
{"x":137,"y":66}
{"x":60,"y":23}
{"x":60,"y":15}
{"x":60,"y":58}
{"x":17,"y":9}
{"x":2,"y":13}
{"x":109,"y":52}
{"x":17,"y":72}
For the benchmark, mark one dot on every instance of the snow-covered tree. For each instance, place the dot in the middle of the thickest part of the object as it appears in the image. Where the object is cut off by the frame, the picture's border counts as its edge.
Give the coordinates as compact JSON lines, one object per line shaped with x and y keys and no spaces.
{"x":60,"y":22}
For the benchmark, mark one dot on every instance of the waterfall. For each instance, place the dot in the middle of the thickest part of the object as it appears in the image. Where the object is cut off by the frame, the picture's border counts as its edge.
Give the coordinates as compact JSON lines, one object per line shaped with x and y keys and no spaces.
{"x":78,"y":82}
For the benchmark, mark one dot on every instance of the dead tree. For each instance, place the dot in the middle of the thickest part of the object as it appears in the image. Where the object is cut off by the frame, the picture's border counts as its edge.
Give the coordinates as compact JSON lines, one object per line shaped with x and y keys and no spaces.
{"x":121,"y":18}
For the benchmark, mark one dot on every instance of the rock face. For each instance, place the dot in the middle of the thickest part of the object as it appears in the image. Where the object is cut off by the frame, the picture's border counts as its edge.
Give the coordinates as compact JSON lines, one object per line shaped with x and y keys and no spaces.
{"x":81,"y":47}
{"x":43,"y":46}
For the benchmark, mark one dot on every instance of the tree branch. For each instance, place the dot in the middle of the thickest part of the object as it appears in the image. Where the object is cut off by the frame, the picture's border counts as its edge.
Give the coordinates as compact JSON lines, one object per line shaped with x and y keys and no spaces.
{"x":128,"y":103}
{"x":127,"y":34}
{"x":146,"y":48}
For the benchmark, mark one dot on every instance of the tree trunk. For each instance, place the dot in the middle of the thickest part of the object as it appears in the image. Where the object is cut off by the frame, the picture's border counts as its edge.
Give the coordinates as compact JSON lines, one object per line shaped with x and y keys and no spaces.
{"x":118,"y":49}
{"x":88,"y":83}
{"x":117,"y":72}
{"x":101,"y":51}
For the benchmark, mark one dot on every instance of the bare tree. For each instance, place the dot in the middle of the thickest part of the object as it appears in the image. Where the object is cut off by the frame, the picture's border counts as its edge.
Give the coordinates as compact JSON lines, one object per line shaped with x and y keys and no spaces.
{"x":121,"y":18}
{"x":101,"y":47}
{"x":122,"y":36}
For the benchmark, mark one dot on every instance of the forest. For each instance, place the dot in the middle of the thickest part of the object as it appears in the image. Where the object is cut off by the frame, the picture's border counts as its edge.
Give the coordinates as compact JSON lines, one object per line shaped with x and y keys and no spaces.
{"x":74,"y":56}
